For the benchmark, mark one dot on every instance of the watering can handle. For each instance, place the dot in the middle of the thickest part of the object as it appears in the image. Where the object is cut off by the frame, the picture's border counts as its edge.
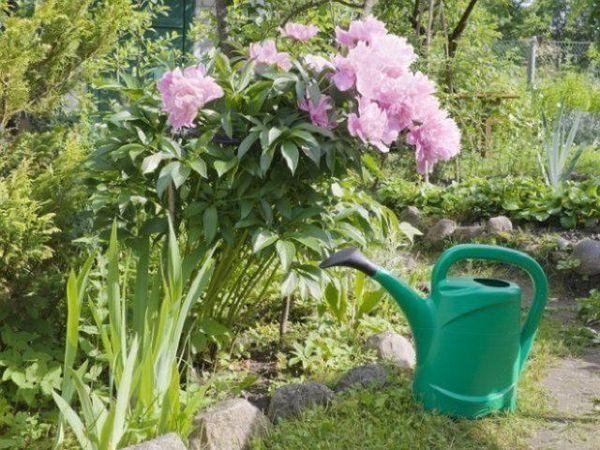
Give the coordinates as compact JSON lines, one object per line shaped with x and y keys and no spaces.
{"x":509,"y":256}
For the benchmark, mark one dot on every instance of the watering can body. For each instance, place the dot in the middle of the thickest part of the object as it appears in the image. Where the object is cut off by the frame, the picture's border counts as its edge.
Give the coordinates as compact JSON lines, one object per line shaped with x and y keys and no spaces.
{"x":470,"y":344}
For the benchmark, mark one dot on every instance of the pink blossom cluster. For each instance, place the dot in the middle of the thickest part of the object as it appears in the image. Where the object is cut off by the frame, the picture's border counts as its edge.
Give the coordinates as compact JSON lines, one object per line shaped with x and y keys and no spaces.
{"x":392,"y":99}
{"x":185,"y":92}
{"x":266,"y":53}
{"x":299,"y":32}
{"x":318,"y":110}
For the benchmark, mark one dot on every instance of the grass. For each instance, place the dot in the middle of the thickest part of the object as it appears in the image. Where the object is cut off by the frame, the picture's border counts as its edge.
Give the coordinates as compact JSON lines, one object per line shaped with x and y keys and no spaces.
{"x":389,"y":418}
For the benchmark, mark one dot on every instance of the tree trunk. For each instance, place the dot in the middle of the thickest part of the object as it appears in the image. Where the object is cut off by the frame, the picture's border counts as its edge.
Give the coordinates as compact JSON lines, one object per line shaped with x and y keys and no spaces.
{"x":429,"y":25}
{"x":221,"y":16}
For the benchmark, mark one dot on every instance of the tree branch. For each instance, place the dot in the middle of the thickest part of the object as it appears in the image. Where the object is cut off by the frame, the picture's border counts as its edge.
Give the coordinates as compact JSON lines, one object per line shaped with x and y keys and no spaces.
{"x":368,"y":7}
{"x":316,"y":3}
{"x":458,"y":30}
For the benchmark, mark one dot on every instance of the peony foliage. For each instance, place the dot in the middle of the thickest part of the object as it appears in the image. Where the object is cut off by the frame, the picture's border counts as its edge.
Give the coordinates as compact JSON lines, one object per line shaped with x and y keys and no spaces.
{"x":257,"y":155}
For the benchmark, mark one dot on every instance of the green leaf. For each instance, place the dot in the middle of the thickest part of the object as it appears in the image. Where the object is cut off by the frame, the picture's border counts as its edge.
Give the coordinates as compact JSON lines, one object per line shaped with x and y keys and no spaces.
{"x":179,"y":173}
{"x":210,"y":221}
{"x":74,"y":421}
{"x":289,"y":284}
{"x":123,"y":396}
{"x":150,"y":163}
{"x":265,"y":160}
{"x":352,"y":233}
{"x":262,"y":240}
{"x":309,"y":242}
{"x":286,"y":251}
{"x":222,"y":167}
{"x":369,"y":302}
{"x":247,"y":143}
{"x":290,"y":153}
{"x":312,"y":128}
{"x":134,"y":150}
{"x":409,"y":231}
{"x":272,"y":135}
{"x":226,"y":123}
{"x":305,"y":136}
{"x":199,"y":166}
{"x":246,"y":76}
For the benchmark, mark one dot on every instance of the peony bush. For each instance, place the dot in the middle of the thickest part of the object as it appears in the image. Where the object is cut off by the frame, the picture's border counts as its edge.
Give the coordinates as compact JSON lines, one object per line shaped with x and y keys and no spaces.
{"x":259,"y":157}
{"x":373,"y":68}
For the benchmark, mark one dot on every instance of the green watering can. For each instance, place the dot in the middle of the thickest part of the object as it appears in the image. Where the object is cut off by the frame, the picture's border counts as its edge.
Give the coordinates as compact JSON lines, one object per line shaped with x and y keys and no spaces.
{"x":469,"y":342}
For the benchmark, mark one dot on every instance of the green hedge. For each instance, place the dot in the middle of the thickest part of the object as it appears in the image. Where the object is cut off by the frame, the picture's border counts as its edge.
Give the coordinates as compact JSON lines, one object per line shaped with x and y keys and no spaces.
{"x":577,"y":204}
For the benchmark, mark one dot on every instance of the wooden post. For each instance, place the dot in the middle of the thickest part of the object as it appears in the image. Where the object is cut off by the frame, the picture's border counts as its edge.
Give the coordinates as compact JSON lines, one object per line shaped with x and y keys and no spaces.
{"x":531,"y":61}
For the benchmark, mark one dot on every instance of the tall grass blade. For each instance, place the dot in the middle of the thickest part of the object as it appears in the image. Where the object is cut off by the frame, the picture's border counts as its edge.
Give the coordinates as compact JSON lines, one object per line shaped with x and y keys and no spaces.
{"x":74,"y":421}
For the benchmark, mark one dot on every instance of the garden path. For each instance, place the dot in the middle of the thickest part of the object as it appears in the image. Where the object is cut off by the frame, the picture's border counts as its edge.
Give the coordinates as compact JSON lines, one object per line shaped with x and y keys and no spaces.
{"x":573,"y":388}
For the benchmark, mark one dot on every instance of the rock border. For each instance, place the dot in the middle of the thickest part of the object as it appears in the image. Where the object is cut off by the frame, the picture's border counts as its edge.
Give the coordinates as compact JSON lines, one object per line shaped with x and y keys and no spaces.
{"x":234,"y":423}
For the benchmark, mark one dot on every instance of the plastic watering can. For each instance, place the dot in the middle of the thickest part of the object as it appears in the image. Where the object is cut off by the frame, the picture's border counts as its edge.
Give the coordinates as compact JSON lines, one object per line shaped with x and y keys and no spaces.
{"x":470,"y":345}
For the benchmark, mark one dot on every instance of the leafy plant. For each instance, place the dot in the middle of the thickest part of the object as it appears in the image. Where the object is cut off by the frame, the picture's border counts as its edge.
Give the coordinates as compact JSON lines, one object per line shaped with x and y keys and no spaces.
{"x":141,"y":354}
{"x":348,"y":299}
{"x":257,"y":179}
{"x":524,"y":199}
{"x":561,"y":154}
{"x":47,"y":48}
{"x":589,"y":308}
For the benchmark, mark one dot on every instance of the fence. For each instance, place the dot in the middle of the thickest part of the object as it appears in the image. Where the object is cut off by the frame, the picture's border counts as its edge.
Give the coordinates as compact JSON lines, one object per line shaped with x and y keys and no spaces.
{"x":547,"y":58}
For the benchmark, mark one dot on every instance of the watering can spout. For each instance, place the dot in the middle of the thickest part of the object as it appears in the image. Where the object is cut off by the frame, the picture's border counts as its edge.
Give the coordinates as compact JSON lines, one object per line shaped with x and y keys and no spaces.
{"x":419,"y":311}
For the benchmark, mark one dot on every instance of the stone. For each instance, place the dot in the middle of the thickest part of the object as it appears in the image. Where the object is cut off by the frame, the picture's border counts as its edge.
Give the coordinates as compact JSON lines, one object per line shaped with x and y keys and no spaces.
{"x":412,"y":215}
{"x":562,"y":243}
{"x":405,"y":261}
{"x":466,"y":233}
{"x":289,"y":401}
{"x":169,"y":441}
{"x":394,"y":348}
{"x":587,"y":251}
{"x":499,"y":225}
{"x":228,"y":425}
{"x":557,"y":256}
{"x":440,"y":231}
{"x":363,"y":376}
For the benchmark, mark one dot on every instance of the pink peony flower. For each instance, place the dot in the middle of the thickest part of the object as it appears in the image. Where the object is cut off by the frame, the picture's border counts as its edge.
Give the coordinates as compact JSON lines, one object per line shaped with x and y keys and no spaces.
{"x":437,"y":139}
{"x":185,"y":92}
{"x":299,"y":32}
{"x":317,"y":63}
{"x":360,"y":30}
{"x":266,"y":53}
{"x":406,"y":99}
{"x":369,"y":65}
{"x":371,"y":125}
{"x":318,"y":111}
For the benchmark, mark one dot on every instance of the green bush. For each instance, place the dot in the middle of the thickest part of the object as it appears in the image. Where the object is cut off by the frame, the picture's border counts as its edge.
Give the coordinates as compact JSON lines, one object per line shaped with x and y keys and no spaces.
{"x":47,"y":48}
{"x":24,"y":230}
{"x":522,"y":199}
{"x":256,"y":177}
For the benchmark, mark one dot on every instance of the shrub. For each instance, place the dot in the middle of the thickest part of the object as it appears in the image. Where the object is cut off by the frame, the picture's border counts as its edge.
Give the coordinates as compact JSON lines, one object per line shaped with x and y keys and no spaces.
{"x":257,"y":160}
{"x":25,"y":231}
{"x":524,"y":199}
{"x":47,"y":48}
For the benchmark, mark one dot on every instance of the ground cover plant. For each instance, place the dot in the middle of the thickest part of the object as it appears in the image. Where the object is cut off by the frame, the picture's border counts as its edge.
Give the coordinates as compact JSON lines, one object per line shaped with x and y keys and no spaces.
{"x":163,"y":212}
{"x":575,"y":204}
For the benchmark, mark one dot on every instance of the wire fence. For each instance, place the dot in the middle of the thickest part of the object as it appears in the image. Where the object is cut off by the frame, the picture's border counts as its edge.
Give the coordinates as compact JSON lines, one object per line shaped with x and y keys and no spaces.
{"x":547,"y":58}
